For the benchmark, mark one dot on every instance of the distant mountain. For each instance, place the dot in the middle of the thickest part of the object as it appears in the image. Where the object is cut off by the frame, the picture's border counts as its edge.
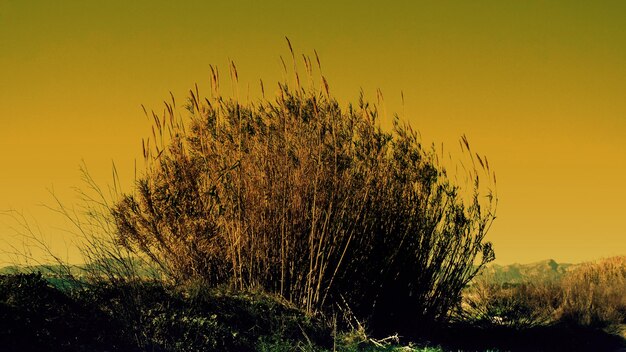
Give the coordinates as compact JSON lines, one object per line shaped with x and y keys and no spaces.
{"x":516,"y":273}
{"x":47,"y":270}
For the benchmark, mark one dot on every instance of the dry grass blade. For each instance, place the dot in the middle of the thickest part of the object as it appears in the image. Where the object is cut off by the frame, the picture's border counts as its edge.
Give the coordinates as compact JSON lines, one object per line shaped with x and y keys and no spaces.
{"x":235,"y":76}
{"x":262,"y":88}
{"x":317,"y":58}
{"x":290,"y":47}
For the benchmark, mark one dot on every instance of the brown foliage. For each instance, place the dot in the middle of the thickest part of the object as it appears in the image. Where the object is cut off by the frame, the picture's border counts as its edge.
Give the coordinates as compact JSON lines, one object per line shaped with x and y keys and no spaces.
{"x":592,"y":295}
{"x":595,"y":293}
{"x":301,"y":198}
{"x":519,"y":306}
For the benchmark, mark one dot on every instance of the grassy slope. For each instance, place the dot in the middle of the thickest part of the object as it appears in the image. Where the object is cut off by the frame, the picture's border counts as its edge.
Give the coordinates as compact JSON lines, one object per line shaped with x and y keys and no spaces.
{"x":36,"y":316}
{"x":143,"y":316}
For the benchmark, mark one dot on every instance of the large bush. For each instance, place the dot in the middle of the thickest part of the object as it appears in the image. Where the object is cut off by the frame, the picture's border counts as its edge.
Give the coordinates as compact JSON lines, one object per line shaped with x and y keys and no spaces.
{"x":299,"y":197}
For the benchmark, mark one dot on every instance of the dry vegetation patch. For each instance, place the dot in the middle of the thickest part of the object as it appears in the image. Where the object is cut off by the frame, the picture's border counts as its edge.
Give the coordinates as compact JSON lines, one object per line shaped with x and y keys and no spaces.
{"x":592,"y":295}
{"x":299,"y":197}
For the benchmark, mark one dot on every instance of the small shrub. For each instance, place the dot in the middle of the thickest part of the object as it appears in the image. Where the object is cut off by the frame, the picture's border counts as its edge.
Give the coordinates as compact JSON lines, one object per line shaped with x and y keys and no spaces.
{"x":518,"y":306}
{"x":595,"y":294}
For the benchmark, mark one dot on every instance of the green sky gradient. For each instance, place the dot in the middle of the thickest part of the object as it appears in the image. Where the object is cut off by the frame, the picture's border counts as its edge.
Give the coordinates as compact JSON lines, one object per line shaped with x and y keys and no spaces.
{"x":537,"y":86}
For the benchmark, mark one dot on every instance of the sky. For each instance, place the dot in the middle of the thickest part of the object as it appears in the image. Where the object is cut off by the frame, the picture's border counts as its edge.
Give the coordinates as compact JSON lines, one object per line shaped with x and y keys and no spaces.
{"x":537,"y":86}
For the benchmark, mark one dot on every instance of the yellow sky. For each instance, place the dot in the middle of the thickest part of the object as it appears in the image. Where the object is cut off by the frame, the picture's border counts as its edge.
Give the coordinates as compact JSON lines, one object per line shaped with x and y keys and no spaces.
{"x":537,"y":86}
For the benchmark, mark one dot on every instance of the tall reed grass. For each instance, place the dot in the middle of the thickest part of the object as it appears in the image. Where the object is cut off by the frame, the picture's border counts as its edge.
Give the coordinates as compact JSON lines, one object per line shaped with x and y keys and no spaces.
{"x":297,"y":196}
{"x":591,"y":295}
{"x":595,"y":293}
